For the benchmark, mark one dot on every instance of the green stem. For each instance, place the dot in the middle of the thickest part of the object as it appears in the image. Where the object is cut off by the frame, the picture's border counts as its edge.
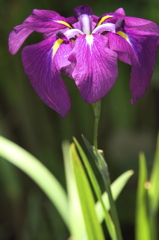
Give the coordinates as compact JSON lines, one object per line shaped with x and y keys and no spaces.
{"x":113,"y":210}
{"x":104,"y":172}
{"x":97,"y":111}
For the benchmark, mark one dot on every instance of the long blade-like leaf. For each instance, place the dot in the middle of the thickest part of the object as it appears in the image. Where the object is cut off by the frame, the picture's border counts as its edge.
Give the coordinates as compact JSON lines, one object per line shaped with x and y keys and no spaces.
{"x":77,"y":225}
{"x":93,"y":228}
{"x":97,"y":190}
{"x":142,"y":224}
{"x":38,"y":172}
{"x":154,"y":181}
{"x":116,"y":188}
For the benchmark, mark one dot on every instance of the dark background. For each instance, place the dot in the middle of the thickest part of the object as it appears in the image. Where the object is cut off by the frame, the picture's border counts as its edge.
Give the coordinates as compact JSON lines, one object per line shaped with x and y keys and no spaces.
{"x":125,"y":129}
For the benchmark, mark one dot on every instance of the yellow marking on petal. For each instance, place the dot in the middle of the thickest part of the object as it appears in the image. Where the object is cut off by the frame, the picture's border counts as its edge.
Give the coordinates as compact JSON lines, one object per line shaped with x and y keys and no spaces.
{"x":122,"y":34}
{"x":56,"y":46}
{"x":64,"y":23}
{"x":103,"y":19}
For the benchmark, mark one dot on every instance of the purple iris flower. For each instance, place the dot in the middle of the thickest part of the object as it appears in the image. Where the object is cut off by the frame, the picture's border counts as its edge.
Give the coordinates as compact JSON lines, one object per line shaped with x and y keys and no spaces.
{"x":86,"y":48}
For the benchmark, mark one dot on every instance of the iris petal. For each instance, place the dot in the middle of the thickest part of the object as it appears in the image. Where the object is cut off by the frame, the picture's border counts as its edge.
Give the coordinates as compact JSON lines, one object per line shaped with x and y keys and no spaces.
{"x":43,"y":21}
{"x":141,"y":24}
{"x":84,"y":9}
{"x":73,"y":33}
{"x":136,"y":23}
{"x":140,"y":53}
{"x":43,"y":70}
{"x":105,"y":27}
{"x":120,"y":12}
{"x":84,"y":15}
{"x":17,"y":38}
{"x":95,"y":68}
{"x":131,"y":22}
{"x":110,"y":16}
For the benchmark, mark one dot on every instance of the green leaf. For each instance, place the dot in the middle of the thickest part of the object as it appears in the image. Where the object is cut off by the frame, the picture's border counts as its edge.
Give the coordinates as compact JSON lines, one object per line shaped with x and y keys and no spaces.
{"x":74,"y":206}
{"x":90,"y":148}
{"x":97,"y":190}
{"x":38,"y":172}
{"x":154,"y":181}
{"x":142,"y":224}
{"x":98,"y":157}
{"x":116,"y":188}
{"x":93,"y":228}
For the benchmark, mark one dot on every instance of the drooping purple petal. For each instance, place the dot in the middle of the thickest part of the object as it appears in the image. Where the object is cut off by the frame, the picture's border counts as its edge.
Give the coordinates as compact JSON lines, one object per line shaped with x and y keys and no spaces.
{"x":111,"y":17}
{"x":119,"y":12}
{"x":136,"y":23}
{"x":16,"y":39}
{"x":43,"y":70}
{"x":95,"y":68}
{"x":46,"y":21}
{"x":61,"y":57}
{"x":140,"y":51}
{"x":141,"y":24}
{"x":130,"y":22}
{"x":43,"y":21}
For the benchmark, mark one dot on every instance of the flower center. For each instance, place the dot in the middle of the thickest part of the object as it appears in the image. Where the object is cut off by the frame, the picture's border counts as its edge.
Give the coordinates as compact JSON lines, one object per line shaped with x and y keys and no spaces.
{"x":85,"y":22}
{"x":84,"y":16}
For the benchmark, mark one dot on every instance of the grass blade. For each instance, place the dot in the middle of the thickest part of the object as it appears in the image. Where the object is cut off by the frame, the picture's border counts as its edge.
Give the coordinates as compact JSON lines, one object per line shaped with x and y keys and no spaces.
{"x":142,"y":224}
{"x":116,"y":188}
{"x":93,"y":228}
{"x":74,"y":206}
{"x":103,"y":211}
{"x":154,"y":181}
{"x":38,"y":172}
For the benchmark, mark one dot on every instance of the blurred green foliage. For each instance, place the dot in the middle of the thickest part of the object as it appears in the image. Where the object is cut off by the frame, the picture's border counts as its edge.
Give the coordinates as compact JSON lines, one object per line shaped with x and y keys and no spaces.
{"x":25,"y":213}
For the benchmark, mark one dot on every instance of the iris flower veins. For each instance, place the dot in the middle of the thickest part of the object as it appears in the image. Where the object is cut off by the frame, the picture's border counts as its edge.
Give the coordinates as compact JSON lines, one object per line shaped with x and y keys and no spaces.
{"x":86,"y":48}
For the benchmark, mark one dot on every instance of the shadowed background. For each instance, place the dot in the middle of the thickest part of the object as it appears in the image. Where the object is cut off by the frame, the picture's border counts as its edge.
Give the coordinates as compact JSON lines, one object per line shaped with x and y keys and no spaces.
{"x":25,"y":212}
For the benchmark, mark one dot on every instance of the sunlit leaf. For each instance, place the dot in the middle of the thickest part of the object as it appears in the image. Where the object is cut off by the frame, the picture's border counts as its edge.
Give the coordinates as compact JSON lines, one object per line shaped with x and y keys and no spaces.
{"x":38,"y":172}
{"x":93,"y":228}
{"x":154,"y":183}
{"x":97,"y":190}
{"x":77,"y":225}
{"x":116,"y":188}
{"x":142,"y":224}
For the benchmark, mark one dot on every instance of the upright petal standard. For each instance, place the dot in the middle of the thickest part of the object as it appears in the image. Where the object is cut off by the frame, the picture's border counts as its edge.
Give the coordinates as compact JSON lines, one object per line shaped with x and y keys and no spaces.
{"x":86,"y":48}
